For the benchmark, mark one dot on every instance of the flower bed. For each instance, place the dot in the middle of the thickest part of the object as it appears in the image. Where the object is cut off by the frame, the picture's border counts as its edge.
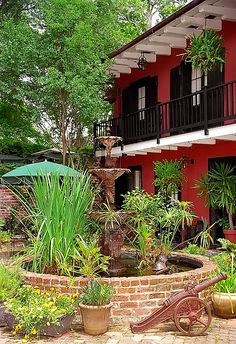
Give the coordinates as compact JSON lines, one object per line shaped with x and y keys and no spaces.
{"x":134,"y":296}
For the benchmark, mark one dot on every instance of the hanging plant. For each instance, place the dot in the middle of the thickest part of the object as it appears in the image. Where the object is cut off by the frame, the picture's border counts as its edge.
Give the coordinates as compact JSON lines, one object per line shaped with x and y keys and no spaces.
{"x":205,"y":52}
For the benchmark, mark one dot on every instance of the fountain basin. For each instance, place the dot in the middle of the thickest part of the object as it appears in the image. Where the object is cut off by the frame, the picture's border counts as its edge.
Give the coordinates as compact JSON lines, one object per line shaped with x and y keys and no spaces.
{"x":134,"y":297}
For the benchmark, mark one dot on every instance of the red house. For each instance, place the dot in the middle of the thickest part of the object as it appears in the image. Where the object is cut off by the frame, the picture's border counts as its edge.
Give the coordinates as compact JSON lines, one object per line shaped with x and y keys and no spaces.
{"x":169,"y":110}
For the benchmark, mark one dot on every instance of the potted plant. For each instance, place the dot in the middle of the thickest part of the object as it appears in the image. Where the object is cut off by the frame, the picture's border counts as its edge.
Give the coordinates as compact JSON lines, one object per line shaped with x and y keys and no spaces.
{"x":224,"y":292}
{"x":95,"y":306}
{"x":205,"y":51}
{"x":34,"y":313}
{"x":218,"y":188}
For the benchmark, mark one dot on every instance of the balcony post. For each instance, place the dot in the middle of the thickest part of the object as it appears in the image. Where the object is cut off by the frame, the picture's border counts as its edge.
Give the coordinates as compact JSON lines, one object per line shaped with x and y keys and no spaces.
{"x":206,"y":131}
{"x":158,"y":123}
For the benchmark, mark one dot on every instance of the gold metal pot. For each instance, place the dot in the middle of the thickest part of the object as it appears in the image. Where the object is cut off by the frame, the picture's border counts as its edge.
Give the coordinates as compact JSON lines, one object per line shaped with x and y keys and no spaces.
{"x":224,"y":304}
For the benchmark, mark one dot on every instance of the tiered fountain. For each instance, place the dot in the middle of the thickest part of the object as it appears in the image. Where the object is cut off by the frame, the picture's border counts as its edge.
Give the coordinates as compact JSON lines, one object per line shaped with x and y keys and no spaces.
{"x":112,"y":219}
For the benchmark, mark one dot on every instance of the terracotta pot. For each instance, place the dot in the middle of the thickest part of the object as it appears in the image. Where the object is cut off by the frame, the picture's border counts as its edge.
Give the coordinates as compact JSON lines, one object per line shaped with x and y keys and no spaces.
{"x":224,"y":304}
{"x":95,"y":318}
{"x":52,"y":331}
{"x":230,"y":234}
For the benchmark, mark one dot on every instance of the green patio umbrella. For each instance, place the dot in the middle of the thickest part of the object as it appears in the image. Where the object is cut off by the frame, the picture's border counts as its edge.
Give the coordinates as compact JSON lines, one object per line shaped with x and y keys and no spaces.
{"x":26,"y":172}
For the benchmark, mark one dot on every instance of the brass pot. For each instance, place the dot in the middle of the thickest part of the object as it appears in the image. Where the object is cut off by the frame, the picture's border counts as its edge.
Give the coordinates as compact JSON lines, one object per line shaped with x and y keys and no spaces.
{"x":224,"y":304}
{"x":95,"y":318}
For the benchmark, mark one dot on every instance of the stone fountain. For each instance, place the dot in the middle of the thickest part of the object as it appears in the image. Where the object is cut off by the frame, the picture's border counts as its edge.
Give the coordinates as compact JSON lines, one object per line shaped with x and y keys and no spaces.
{"x":112,"y":219}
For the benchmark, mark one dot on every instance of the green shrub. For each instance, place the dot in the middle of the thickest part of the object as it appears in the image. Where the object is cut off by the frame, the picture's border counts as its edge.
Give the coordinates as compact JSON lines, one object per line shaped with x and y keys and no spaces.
{"x":89,"y":261}
{"x":194,"y":249}
{"x":5,"y":237}
{"x":97,"y":293}
{"x":225,"y":262}
{"x":10,"y":280}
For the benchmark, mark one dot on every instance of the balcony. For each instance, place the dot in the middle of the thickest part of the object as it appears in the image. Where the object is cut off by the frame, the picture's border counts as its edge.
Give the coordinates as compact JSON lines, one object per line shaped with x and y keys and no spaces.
{"x":199,"y":111}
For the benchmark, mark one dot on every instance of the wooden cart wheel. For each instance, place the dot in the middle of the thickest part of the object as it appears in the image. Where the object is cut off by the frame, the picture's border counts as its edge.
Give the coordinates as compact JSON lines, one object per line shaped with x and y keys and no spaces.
{"x":192,"y":316}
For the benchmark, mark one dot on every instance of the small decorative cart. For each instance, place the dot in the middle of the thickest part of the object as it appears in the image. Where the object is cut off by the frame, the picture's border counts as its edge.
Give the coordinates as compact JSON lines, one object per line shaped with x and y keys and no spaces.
{"x":191,"y":315}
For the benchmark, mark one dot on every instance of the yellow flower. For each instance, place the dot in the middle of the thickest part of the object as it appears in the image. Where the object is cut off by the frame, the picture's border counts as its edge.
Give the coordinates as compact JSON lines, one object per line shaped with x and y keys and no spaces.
{"x":34,"y":331}
{"x":24,"y":340}
{"x":48,"y":324}
{"x":47,"y":294}
{"x":75,"y":296}
{"x":18,"y":327}
{"x":26,"y":336}
{"x":14,"y":333}
{"x":52,"y":289}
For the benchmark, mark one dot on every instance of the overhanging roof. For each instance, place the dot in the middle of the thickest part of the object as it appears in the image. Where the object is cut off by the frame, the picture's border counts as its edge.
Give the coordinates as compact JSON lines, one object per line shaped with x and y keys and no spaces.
{"x":172,"y":32}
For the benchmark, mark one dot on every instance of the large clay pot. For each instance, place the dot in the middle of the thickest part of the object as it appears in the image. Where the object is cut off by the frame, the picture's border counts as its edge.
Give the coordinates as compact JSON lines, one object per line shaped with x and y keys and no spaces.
{"x":95,"y":318}
{"x":230,"y":234}
{"x":224,"y":304}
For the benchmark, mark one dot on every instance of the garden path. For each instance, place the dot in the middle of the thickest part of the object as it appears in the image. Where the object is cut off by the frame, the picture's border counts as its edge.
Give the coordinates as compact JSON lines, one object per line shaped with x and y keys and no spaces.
{"x":221,"y":331}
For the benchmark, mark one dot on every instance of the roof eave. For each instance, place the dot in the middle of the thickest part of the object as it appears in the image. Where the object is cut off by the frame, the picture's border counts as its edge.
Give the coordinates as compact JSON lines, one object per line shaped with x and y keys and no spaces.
{"x":157,"y":27}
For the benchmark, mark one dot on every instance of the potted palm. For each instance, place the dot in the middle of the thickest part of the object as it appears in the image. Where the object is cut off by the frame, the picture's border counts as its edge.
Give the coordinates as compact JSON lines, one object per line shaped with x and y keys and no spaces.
{"x":218,"y":188}
{"x":95,"y":307}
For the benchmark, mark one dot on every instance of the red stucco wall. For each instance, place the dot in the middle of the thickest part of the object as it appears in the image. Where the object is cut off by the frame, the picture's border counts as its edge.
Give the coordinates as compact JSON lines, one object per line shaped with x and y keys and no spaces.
{"x":200,"y":155}
{"x":164,"y":64}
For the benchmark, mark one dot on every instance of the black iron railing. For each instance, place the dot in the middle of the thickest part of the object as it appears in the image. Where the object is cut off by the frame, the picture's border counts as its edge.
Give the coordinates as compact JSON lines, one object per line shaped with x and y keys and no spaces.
{"x":210,"y":107}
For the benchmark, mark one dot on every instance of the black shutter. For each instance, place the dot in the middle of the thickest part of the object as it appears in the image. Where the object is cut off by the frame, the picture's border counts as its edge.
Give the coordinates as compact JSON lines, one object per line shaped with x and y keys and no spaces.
{"x":186,"y":78}
{"x":130,"y":99}
{"x":215,"y":103}
{"x":151,"y":91}
{"x":215,"y":77}
{"x":180,"y":85}
{"x":175,"y":83}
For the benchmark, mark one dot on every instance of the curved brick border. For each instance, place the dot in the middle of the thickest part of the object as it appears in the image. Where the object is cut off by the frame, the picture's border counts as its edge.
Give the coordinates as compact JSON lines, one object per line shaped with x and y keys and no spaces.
{"x":134,"y":296}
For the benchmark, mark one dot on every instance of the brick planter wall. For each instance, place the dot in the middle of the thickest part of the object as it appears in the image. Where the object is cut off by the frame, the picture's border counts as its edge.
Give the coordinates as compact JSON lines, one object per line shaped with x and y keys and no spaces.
{"x":134,"y":296}
{"x":7,"y":201}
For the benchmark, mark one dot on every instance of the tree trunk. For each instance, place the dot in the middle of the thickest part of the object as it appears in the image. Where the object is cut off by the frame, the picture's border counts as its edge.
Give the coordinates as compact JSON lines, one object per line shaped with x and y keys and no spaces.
{"x":231,"y":224}
{"x":63,"y":126}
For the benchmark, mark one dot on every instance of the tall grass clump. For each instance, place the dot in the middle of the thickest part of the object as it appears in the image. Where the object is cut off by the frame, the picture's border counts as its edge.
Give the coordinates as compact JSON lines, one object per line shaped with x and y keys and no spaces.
{"x":59,"y":216}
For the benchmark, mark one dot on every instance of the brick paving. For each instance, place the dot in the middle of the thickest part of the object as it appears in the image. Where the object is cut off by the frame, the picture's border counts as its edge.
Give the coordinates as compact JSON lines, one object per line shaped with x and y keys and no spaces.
{"x":221,"y":331}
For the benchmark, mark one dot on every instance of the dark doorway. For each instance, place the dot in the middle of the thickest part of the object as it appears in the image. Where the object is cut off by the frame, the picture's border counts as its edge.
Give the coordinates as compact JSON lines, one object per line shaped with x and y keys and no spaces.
{"x":127,"y":182}
{"x":216,"y":214}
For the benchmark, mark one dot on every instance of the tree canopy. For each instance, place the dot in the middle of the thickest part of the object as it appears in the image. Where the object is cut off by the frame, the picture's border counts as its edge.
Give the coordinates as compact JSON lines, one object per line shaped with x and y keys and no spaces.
{"x":53,"y":61}
{"x":56,"y":61}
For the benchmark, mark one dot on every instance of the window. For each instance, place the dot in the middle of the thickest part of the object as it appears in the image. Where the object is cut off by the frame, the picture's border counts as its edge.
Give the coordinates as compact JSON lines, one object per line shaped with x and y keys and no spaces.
{"x":138,"y":179}
{"x":141,"y":101}
{"x":135,"y":178}
{"x":196,"y":85}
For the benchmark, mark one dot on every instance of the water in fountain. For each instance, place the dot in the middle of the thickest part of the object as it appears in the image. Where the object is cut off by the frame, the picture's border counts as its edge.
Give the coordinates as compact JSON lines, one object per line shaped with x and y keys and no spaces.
{"x":113,"y":236}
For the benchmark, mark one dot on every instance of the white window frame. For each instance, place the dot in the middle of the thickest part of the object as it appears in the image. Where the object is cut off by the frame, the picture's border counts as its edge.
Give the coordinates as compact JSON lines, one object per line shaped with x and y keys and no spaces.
{"x":141,"y":102}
